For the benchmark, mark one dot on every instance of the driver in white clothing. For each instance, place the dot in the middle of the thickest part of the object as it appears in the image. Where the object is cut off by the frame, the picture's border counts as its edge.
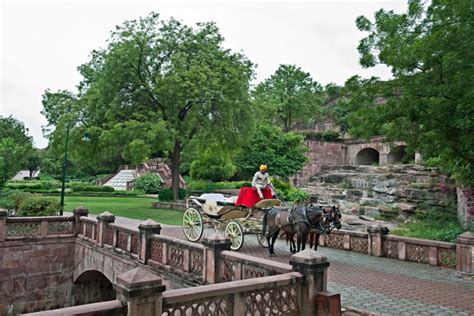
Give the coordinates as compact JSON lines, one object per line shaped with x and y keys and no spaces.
{"x":261,"y":179}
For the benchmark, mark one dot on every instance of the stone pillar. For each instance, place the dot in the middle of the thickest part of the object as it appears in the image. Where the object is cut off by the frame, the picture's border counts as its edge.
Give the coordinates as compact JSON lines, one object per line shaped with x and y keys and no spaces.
{"x":465,"y":253}
{"x":145,"y":230}
{"x":141,"y":291}
{"x":213,"y":245}
{"x":3,"y":224}
{"x":78,"y":212}
{"x":375,"y":240}
{"x":314,"y":267}
{"x":104,"y":219}
{"x":328,"y":304}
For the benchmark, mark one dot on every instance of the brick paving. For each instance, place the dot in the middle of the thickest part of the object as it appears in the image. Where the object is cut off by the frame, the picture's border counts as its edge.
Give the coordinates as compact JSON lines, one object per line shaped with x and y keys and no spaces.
{"x":380,"y":285}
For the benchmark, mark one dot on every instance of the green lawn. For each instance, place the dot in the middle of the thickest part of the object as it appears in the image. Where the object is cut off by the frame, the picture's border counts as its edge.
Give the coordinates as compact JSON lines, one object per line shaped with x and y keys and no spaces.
{"x":132,"y":207}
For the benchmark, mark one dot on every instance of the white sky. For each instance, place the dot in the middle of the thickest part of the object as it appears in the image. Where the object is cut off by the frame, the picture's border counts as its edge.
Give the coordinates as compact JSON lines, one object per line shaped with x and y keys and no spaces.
{"x":42,"y":42}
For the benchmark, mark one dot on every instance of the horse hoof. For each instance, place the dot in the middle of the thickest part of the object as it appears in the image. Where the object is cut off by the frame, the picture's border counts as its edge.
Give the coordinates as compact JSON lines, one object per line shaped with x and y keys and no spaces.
{"x":272,"y":255}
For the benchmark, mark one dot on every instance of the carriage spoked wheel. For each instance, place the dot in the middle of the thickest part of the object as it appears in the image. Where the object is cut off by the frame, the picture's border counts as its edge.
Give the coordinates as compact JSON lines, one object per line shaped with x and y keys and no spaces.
{"x":235,"y":233}
{"x":192,"y":224}
{"x":262,"y":240}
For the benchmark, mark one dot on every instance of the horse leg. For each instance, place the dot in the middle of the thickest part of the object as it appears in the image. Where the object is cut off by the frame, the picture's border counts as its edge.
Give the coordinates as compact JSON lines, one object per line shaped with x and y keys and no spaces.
{"x":311,"y":239}
{"x":316,"y":242}
{"x":274,"y":238}
{"x":305,"y":237}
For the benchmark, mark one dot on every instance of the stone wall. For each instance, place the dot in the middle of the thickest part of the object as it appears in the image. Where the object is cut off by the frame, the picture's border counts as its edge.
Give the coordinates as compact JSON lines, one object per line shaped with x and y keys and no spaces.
{"x":36,"y":274}
{"x":466,"y":207}
{"x":320,"y":154}
{"x":390,"y":191}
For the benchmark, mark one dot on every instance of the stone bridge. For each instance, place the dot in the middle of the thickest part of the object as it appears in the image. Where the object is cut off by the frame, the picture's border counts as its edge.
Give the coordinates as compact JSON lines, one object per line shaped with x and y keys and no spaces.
{"x":107,"y":266}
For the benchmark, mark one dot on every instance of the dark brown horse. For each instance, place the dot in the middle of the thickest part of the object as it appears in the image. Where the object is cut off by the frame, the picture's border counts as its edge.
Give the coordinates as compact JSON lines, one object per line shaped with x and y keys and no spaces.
{"x":332,"y":219}
{"x":298,"y":221}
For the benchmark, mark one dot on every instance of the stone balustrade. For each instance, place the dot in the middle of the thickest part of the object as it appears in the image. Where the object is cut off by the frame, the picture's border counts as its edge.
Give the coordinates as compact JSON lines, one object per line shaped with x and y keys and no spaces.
{"x":280,"y":294}
{"x":376,"y":243}
{"x":114,"y":307}
{"x":17,"y":228}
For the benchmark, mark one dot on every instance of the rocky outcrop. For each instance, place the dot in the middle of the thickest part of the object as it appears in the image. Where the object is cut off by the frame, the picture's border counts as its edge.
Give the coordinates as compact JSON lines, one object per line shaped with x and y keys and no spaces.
{"x":388,"y":191}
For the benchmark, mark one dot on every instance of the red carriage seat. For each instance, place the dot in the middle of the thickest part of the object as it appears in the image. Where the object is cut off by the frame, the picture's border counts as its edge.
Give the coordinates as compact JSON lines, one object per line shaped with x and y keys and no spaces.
{"x":248,"y":197}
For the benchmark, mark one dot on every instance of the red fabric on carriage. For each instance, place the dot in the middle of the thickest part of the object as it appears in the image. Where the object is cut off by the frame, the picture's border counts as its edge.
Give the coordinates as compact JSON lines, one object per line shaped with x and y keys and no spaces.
{"x":249,"y":196}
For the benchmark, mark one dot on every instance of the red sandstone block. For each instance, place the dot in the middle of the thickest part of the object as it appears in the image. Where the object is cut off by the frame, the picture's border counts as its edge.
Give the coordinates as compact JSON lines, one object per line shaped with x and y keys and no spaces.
{"x":19,"y":285}
{"x":39,"y":282}
{"x":7,"y":264}
{"x":328,"y":304}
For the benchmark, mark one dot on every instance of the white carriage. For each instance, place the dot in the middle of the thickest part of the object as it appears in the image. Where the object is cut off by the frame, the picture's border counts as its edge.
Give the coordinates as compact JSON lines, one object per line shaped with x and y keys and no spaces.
{"x":225,"y":216}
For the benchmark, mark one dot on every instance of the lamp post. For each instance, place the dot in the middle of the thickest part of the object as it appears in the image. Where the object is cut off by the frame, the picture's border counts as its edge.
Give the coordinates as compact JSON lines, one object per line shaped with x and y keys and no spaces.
{"x":63,"y":178}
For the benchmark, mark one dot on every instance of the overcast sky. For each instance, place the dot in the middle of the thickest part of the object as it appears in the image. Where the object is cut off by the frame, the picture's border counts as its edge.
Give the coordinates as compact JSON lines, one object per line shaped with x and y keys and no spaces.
{"x":42,"y":42}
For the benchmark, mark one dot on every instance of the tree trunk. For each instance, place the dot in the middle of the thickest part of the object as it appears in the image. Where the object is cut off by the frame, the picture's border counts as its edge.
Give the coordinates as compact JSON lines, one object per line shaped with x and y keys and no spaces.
{"x":175,"y":162}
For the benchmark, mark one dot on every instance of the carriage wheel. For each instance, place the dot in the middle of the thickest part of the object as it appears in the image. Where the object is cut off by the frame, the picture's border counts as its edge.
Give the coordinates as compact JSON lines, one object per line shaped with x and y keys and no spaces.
{"x":192,"y":224}
{"x":262,"y":240}
{"x":235,"y":233}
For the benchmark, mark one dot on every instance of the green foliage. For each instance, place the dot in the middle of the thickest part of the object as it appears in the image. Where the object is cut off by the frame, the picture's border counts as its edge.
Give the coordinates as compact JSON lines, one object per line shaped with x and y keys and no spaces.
{"x":283,"y":153}
{"x":15,"y":146}
{"x":149,"y":183}
{"x":39,"y":206}
{"x":289,"y":95}
{"x":90,"y":188}
{"x":212,"y":165}
{"x":432,"y":223}
{"x":297,"y":196}
{"x":322,"y":136}
{"x":286,"y":192}
{"x":167,"y":194}
{"x":156,"y":86}
{"x":206,"y":186}
{"x":428,"y":104}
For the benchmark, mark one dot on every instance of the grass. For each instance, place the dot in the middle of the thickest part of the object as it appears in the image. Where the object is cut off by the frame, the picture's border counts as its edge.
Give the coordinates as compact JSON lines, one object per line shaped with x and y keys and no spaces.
{"x":131,"y":207}
{"x":433,"y":225}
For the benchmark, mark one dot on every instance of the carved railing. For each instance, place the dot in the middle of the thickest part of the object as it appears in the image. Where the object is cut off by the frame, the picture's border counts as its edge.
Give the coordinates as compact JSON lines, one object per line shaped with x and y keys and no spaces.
{"x":236,"y":266}
{"x":114,"y":307}
{"x":37,"y":227}
{"x":437,"y":253}
{"x":176,"y":254}
{"x":272,"y":295}
{"x":431,"y":252}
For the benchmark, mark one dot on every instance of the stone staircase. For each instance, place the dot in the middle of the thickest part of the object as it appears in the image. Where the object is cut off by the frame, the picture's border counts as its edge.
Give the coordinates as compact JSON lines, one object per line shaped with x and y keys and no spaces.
{"x":124,"y":180}
{"x":120,"y":180}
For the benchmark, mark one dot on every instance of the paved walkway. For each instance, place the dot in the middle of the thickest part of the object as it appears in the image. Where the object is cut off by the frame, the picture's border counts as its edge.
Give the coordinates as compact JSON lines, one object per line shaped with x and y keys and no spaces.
{"x":380,"y":285}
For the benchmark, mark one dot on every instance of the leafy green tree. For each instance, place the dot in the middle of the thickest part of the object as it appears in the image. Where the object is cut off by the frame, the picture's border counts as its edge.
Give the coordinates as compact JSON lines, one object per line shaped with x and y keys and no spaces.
{"x":32,"y":162}
{"x":212,"y":165}
{"x":171,"y":81}
{"x":290,"y":95}
{"x":15,"y":146}
{"x":284,"y":153}
{"x":429,"y":103}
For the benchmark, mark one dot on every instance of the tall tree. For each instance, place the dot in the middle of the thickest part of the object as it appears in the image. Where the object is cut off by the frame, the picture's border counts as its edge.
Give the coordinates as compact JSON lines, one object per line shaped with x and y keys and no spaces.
{"x":429,"y":104}
{"x":171,"y":82}
{"x":15,"y":146}
{"x":289,"y":95}
{"x":284,"y":153}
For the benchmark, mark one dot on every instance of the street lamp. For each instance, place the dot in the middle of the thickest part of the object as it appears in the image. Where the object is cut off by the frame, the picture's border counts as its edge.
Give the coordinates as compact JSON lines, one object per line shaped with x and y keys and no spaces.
{"x":63,"y":178}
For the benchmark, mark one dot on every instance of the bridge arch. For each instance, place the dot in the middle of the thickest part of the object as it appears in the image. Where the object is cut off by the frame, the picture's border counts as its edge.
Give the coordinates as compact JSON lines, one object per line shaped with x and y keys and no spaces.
{"x":92,"y":286}
{"x":367,"y":156}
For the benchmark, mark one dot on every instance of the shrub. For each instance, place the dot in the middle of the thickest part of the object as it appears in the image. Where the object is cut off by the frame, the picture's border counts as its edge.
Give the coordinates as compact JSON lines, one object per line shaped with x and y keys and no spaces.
{"x":149,"y":183}
{"x":322,"y":136}
{"x":39,"y":206}
{"x":91,"y":188}
{"x":212,"y":166}
{"x":297,"y":196}
{"x":167,"y":194}
{"x":207,"y":186}
{"x":9,"y":206}
{"x":17,"y":198}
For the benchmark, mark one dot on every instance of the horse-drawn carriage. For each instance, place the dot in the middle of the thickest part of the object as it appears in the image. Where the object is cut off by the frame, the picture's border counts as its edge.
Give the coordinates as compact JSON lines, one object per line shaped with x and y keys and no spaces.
{"x":235,"y":216}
